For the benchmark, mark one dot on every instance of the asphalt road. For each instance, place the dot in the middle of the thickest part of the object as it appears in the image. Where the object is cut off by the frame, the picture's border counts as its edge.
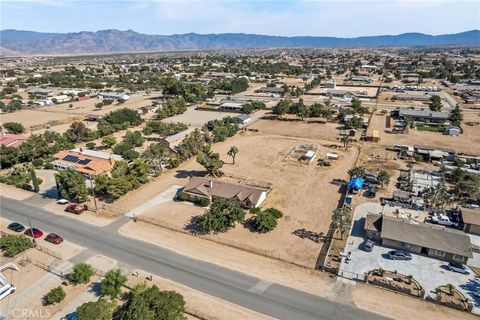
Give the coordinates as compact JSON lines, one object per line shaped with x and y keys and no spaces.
{"x":276,"y":300}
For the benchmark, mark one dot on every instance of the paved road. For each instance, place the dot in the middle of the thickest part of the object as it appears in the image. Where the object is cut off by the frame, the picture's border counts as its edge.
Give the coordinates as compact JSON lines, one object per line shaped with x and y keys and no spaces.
{"x":250,"y":292}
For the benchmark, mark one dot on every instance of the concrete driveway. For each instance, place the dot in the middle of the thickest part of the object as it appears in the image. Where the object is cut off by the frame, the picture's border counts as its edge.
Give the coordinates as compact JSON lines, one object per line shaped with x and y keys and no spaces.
{"x":431,"y":273}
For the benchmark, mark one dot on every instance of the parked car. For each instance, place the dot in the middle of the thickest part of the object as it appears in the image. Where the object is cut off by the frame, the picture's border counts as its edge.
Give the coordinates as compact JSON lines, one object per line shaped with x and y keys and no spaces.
{"x":54,"y":238}
{"x":399,"y":255}
{"x":34,"y":232}
{"x":71,"y":316}
{"x":472,"y":206}
{"x":458,"y":267}
{"x":441,"y":219}
{"x":368,"y":245}
{"x":76,"y":208}
{"x":62,"y":201}
{"x":15,"y":226}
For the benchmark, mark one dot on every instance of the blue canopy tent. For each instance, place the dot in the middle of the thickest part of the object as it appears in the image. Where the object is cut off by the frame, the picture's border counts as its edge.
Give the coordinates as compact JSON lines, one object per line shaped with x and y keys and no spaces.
{"x":356,"y":183}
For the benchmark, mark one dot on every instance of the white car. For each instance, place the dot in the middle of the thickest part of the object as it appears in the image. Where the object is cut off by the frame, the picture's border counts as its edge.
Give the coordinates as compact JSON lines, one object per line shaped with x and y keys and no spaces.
{"x":63,"y":201}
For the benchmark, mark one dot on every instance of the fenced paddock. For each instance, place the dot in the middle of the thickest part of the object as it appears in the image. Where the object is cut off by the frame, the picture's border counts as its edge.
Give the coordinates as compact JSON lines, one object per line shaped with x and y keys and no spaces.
{"x":302,"y":154}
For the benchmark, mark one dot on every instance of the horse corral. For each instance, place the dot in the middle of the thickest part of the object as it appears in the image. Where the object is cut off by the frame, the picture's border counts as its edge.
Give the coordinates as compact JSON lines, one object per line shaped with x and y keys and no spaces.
{"x":302,"y":154}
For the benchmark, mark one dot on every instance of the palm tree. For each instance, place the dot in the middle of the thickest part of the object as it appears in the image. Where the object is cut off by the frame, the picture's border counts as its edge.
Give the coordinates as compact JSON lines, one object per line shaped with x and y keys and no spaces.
{"x":345,"y":140}
{"x":233,"y":153}
{"x":450,"y":287}
{"x":384,"y":178}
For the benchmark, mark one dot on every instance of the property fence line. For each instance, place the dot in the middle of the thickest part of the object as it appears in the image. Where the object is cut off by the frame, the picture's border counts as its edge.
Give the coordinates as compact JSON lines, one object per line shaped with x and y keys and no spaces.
{"x":351,"y":275}
{"x":49,"y":268}
{"x":48,"y":251}
{"x":234,"y":244}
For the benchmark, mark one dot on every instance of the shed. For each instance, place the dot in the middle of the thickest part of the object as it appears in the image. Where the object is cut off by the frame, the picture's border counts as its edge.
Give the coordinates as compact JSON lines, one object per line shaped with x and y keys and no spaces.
{"x":243,"y":118}
{"x":375,"y":136}
{"x":332,"y":155}
{"x":452,"y":131}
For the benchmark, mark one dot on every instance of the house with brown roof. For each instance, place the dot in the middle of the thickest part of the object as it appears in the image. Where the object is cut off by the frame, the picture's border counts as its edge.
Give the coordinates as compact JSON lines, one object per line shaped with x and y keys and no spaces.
{"x":471,"y":221}
{"x":248,"y":196}
{"x":88,"y":162}
{"x":431,"y":240}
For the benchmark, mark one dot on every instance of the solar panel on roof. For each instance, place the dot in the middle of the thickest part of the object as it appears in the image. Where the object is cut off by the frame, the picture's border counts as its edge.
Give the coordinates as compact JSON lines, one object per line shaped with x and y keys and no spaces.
{"x":85,"y":161}
{"x":70,"y":158}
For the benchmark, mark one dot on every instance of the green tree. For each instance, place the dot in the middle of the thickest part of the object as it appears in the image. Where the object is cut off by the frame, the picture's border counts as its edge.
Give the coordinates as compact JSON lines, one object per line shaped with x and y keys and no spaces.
{"x":112,"y":283}
{"x":356,"y":172}
{"x":12,"y":245}
{"x":35,"y":182}
{"x":133,"y":139}
{"x":150,"y":303}
{"x":384,"y":178}
{"x":71,"y":185}
{"x":435,"y":103}
{"x":90,"y":145}
{"x":282,"y":107}
{"x":14,"y":127}
{"x":222,"y":215}
{"x":109,"y":141}
{"x":264,"y":222}
{"x":55,"y":295}
{"x":232,"y":152}
{"x":456,"y":116}
{"x":98,"y":310}
{"x":82,"y":272}
{"x":78,"y":132}
{"x":210,"y":161}
{"x":9,"y":156}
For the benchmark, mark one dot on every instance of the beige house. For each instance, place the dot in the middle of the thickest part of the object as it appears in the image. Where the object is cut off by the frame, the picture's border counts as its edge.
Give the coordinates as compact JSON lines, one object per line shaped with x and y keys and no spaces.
{"x":431,"y":240}
{"x":471,"y":221}
{"x":248,"y":196}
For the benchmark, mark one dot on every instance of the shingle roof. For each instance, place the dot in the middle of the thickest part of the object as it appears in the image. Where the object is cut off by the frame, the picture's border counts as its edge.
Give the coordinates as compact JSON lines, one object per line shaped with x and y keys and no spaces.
{"x":201,"y":186}
{"x":94,"y":166}
{"x":426,"y":235}
{"x":11,"y":140}
{"x":471,"y":216}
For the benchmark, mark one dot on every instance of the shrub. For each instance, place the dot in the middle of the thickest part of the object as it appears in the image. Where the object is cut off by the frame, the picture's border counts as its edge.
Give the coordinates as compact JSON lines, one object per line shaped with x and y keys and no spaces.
{"x":277,"y":214}
{"x":113,"y":282}
{"x":13,"y":244}
{"x":91,"y":145}
{"x":183,"y":196}
{"x":55,"y":295}
{"x":203,"y":202}
{"x":82,"y":272}
{"x":37,"y":163}
{"x":264,"y":222}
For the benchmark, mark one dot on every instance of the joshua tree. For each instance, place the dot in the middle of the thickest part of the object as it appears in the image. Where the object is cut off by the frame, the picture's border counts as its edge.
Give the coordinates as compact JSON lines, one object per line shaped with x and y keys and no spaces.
{"x":384,"y":178}
{"x":233,"y":153}
{"x":450,"y":287}
{"x":346,"y":140}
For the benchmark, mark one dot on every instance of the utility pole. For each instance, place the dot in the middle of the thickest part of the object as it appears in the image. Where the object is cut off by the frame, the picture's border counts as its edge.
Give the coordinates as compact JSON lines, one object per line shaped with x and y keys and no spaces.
{"x":31,"y":230}
{"x":93,"y":194}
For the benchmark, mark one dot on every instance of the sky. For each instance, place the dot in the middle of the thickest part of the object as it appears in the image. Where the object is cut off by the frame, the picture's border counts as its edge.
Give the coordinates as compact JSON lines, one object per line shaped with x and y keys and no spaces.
{"x":339,"y":18}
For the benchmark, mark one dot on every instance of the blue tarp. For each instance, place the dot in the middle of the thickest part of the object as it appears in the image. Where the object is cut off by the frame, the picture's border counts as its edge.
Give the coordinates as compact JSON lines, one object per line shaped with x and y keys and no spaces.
{"x":356,"y":183}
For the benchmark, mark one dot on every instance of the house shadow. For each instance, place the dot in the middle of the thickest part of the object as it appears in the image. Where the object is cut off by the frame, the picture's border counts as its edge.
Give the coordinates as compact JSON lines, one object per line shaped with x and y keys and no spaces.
{"x":358,"y":228}
{"x":182,"y":174}
{"x":194,"y":227}
{"x":472,"y":287}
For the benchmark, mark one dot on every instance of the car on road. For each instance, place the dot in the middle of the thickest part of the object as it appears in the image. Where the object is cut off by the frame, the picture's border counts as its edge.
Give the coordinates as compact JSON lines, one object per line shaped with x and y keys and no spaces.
{"x":34,"y":232}
{"x":458,"y":267}
{"x":76,"y":208}
{"x":62,"y":201}
{"x":15,"y":226}
{"x":399,"y":255}
{"x":368,"y":246}
{"x":54,"y":238}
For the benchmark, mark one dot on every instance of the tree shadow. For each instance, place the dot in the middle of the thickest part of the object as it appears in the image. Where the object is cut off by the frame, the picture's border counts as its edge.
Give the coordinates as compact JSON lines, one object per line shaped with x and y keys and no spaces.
{"x":310,"y":235}
{"x":472,"y":287}
{"x":96,"y":289}
{"x":194,"y":227}
{"x":181,"y":174}
{"x":248,"y":224}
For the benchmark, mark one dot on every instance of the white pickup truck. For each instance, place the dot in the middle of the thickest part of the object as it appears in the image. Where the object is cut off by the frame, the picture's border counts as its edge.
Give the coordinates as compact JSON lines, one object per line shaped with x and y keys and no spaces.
{"x":442,"y":220}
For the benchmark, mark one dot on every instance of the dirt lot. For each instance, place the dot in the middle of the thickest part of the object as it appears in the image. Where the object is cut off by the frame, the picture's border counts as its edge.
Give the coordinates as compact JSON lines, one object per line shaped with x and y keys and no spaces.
{"x":468,"y":142}
{"x":304,"y":193}
{"x":300,"y":129}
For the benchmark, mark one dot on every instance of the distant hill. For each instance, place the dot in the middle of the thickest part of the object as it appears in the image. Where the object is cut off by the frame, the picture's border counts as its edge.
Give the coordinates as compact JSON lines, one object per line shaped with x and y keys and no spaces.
{"x":109,"y":41}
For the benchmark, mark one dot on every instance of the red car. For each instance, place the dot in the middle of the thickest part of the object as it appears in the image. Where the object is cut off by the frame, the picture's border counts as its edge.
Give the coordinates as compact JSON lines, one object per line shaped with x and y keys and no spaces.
{"x":54,"y":238}
{"x":34,"y":232}
{"x":76,"y":208}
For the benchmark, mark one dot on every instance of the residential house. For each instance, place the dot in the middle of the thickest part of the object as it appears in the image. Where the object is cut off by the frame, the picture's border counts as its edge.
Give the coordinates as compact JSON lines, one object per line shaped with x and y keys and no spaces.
{"x":471,"y":220}
{"x":87,"y":162}
{"x":231,"y":106}
{"x":431,"y":240}
{"x":11,"y":140}
{"x":248,"y":196}
{"x":424,"y":115}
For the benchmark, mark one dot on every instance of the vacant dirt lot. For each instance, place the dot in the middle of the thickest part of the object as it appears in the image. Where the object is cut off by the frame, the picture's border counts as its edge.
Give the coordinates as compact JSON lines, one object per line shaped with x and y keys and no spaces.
{"x":304,"y":193}
{"x":468,"y":142}
{"x":295,"y":128}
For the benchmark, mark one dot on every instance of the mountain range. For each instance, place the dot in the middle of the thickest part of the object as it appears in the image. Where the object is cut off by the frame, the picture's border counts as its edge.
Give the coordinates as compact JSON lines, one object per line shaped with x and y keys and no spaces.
{"x":115,"y":41}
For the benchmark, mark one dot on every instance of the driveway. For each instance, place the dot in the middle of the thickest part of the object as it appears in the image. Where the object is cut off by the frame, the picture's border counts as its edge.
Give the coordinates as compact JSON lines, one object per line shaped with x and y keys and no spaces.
{"x":431,"y":273}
